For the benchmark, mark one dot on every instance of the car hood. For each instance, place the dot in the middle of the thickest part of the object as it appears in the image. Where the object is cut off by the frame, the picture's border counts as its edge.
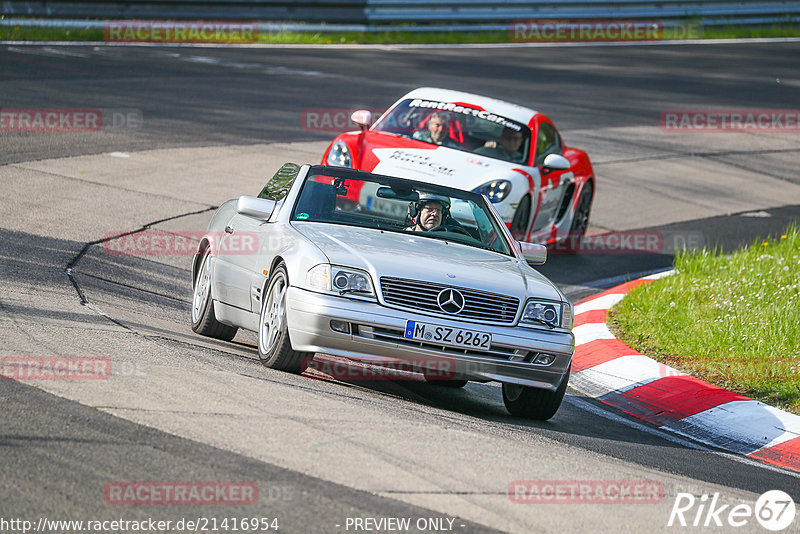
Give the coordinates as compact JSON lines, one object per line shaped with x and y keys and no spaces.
{"x":427,"y":259}
{"x":407,"y":158}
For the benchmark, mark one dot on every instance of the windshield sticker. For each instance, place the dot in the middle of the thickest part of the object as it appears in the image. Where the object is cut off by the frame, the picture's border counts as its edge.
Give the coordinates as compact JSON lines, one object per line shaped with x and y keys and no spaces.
{"x":422,"y":160}
{"x":302,"y":216}
{"x":481,"y":114}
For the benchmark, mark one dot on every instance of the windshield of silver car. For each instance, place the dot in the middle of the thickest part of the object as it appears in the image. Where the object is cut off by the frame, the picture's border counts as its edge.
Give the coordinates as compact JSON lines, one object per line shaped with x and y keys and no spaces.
{"x":458,"y":126}
{"x":399,"y":205}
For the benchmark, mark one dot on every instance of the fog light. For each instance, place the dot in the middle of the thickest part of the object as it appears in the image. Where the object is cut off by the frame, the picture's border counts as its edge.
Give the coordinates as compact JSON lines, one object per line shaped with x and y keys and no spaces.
{"x":544,"y":359}
{"x":340,"y":326}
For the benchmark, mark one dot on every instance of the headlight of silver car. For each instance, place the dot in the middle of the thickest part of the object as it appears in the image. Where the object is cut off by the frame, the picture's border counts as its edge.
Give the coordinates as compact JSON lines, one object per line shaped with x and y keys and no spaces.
{"x":495,"y":190}
{"x":548,"y":313}
{"x":341,"y":281}
{"x":339,"y":155}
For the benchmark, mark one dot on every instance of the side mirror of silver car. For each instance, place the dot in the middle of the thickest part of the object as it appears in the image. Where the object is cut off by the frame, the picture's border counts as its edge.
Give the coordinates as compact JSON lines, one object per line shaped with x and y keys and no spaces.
{"x":533,"y":254}
{"x":258,"y":208}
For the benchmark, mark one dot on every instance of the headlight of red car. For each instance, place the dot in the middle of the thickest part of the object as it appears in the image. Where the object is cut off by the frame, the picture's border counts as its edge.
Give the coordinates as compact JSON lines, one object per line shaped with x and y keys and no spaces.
{"x":339,"y":155}
{"x":495,"y":190}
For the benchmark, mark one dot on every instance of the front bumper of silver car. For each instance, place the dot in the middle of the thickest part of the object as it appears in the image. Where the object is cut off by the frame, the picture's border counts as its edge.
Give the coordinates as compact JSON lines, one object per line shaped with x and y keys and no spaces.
{"x":374,"y":334}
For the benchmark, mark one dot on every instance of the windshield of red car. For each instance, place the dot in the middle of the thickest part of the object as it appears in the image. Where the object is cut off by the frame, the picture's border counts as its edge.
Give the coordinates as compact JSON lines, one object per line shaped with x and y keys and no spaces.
{"x":388,"y":204}
{"x":460,"y":127}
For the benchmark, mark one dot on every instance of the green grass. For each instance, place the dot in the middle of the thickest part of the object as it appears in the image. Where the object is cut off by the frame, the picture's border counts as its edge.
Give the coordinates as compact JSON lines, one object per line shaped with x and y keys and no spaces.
{"x":25,"y":33}
{"x":732,"y":320}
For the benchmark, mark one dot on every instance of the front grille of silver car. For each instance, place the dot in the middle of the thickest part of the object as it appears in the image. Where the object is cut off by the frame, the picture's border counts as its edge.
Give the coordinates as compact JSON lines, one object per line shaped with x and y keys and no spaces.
{"x":479,"y":306}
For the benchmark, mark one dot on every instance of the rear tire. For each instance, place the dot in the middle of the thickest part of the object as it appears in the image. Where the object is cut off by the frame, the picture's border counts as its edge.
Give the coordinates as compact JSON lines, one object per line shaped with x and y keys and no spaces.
{"x":204,"y":322}
{"x":534,"y":403}
{"x":580,"y":221}
{"x":274,"y":346}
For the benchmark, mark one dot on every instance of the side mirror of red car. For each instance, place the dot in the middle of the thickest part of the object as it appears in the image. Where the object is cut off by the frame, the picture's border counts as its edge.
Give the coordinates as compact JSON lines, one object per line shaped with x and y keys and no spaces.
{"x":362,"y":117}
{"x":555,"y":162}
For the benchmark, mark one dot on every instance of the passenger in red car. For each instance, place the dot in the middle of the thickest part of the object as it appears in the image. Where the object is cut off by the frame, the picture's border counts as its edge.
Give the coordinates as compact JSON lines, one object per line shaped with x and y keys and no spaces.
{"x":508,"y":147}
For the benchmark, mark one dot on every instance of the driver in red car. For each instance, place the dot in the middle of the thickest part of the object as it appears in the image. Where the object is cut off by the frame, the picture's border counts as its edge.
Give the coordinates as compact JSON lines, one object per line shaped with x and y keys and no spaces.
{"x":428,"y":212}
{"x":437,"y":130}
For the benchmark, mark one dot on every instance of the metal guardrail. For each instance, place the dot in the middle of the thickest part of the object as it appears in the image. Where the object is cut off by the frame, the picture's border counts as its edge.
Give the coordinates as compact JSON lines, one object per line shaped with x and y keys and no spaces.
{"x":337,"y":11}
{"x":433,"y":15}
{"x":509,"y":10}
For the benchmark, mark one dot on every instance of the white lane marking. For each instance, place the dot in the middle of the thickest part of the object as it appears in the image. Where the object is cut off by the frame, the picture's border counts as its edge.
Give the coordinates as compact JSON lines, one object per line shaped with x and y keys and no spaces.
{"x":600,"y":303}
{"x":60,"y":52}
{"x":119,"y":155}
{"x":267,"y":69}
{"x":756,"y":214}
{"x":620,"y":375}
{"x":606,"y":283}
{"x":201,"y":59}
{"x":662,"y":274}
{"x":46,"y":51}
{"x":686,"y":42}
{"x":586,"y":333}
{"x":599,"y":411}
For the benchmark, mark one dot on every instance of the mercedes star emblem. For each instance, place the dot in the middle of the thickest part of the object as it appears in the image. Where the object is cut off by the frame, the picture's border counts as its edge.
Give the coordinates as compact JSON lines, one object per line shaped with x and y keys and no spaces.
{"x":450,"y":300}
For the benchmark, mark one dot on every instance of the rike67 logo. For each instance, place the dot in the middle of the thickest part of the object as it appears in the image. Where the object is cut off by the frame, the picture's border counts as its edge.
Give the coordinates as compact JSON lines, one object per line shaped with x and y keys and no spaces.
{"x":774,"y":510}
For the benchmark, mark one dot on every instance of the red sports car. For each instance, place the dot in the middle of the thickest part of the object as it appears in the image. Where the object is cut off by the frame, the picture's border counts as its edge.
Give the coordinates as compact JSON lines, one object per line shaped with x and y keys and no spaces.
{"x":515,"y":156}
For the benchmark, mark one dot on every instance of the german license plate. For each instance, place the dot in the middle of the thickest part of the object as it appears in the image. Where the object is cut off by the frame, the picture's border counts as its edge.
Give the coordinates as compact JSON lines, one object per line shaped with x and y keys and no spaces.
{"x":447,"y":335}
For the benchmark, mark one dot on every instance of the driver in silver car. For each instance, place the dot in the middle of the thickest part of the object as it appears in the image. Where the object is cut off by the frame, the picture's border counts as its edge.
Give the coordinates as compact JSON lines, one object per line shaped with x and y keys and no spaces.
{"x":428,"y":212}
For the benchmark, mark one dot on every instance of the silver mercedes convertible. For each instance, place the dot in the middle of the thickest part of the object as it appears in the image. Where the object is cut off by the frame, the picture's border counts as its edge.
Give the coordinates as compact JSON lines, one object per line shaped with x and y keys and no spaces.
{"x":385,"y":271}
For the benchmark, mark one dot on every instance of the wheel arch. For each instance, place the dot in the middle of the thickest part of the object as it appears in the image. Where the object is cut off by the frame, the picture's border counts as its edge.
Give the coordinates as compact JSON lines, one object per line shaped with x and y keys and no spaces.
{"x":202,"y":248}
{"x":277,"y":260}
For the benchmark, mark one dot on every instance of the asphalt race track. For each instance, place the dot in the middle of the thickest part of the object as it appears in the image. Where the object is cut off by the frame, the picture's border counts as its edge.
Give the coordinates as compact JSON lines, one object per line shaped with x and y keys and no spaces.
{"x":200,"y":125}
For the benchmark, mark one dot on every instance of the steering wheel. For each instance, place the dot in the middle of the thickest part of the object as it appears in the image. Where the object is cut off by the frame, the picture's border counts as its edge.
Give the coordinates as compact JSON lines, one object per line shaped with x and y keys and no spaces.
{"x":451,"y":228}
{"x":406,"y":119}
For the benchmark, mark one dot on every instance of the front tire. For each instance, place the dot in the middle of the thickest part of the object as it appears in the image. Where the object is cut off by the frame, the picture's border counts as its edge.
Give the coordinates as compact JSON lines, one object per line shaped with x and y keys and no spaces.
{"x":204,"y":322}
{"x":580,"y":221}
{"x":274,"y":346}
{"x":534,"y":403}
{"x":519,"y":224}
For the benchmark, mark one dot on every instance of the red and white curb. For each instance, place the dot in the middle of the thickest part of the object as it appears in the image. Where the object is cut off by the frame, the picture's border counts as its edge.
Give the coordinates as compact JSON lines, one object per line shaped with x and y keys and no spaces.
{"x":613,"y":373}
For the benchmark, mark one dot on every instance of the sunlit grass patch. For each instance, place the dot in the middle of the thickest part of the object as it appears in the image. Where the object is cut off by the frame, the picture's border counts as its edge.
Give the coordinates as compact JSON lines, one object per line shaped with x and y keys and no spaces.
{"x":732,"y":320}
{"x":401,"y":36}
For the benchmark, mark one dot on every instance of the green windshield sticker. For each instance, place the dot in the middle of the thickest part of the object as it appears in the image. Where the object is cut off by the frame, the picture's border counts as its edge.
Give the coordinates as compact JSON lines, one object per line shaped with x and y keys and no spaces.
{"x":302,"y":216}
